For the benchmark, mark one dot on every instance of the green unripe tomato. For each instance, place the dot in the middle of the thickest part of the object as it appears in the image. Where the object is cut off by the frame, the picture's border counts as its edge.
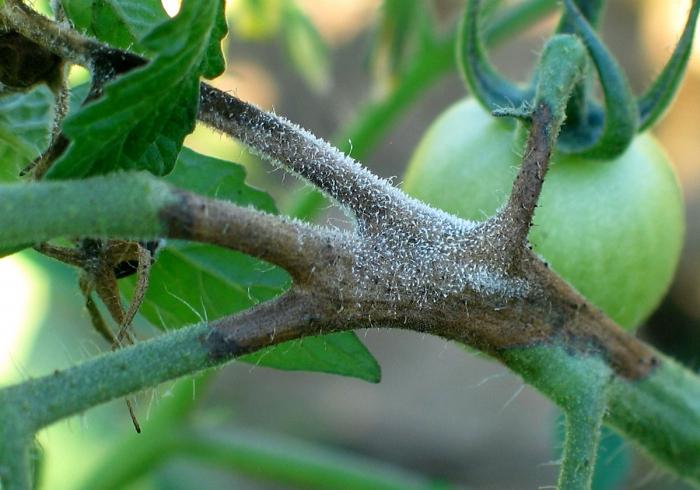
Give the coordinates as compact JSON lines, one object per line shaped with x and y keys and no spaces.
{"x":613,"y":229}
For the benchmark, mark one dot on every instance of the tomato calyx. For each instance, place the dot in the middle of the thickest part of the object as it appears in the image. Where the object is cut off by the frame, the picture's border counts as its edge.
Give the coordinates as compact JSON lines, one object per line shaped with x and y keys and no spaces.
{"x":593,"y":129}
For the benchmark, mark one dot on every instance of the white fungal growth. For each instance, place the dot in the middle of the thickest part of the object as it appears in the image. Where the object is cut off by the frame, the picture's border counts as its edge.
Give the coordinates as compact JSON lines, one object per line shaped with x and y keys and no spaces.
{"x":406,"y":250}
{"x":427,"y":264}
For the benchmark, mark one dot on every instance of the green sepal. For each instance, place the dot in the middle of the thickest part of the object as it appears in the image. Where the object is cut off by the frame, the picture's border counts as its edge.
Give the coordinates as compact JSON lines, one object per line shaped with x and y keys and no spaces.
{"x":616,"y":124}
{"x":491,"y":89}
{"x":653,"y":103}
{"x":578,"y":110}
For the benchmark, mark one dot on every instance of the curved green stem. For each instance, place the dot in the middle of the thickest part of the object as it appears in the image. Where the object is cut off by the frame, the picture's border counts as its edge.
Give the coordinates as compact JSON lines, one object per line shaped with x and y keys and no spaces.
{"x":577,"y":113}
{"x":362,"y":134}
{"x":491,"y":89}
{"x":654,"y":102}
{"x":619,"y":118}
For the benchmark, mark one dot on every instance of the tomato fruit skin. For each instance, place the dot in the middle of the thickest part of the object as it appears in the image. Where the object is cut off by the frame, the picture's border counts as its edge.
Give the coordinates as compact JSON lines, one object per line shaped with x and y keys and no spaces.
{"x":613,"y":229}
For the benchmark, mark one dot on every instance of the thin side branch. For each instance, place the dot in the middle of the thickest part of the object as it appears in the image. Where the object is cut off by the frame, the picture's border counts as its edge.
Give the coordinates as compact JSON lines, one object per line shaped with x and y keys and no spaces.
{"x":293,"y":245}
{"x":561,"y":67}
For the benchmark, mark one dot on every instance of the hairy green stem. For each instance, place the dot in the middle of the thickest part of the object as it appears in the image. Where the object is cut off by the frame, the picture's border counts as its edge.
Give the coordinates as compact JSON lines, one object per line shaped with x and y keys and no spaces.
{"x":42,"y":401}
{"x":363,"y":133}
{"x":661,"y":413}
{"x":583,"y":423}
{"x":124,"y":205}
{"x":15,"y":443}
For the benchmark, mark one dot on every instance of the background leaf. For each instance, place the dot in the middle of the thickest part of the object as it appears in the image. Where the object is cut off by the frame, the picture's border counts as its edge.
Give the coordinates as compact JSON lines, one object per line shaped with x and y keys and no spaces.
{"x":192,"y":282}
{"x":306,"y":49}
{"x":404,"y":28}
{"x":143,"y":117}
{"x":257,"y":19}
{"x":24,"y":130}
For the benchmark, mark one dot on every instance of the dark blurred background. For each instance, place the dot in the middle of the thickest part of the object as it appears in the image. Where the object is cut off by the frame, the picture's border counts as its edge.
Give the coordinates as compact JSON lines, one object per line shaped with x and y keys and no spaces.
{"x":439,"y":410}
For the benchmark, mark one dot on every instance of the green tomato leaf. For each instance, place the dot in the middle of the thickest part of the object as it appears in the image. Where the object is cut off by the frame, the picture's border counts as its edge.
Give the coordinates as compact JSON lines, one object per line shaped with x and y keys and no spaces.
{"x":214,"y":62}
{"x":120,"y":23}
{"x":219,"y":179}
{"x":24,"y":130}
{"x":192,"y":282}
{"x":79,"y":12}
{"x":138,"y":16}
{"x":124,"y":23}
{"x":337,"y":353}
{"x":143,"y":117}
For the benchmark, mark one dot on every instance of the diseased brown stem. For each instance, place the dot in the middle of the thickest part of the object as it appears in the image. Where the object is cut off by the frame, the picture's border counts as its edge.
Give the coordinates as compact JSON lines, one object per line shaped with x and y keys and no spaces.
{"x":286,"y":144}
{"x":407,"y":265}
{"x":295,"y":246}
{"x":520,"y":208}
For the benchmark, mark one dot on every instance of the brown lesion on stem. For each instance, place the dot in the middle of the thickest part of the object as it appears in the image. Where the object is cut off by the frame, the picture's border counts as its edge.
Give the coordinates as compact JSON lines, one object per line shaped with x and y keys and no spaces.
{"x":295,"y":246}
{"x":338,"y":283}
{"x":516,"y":217}
{"x":328,"y":295}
